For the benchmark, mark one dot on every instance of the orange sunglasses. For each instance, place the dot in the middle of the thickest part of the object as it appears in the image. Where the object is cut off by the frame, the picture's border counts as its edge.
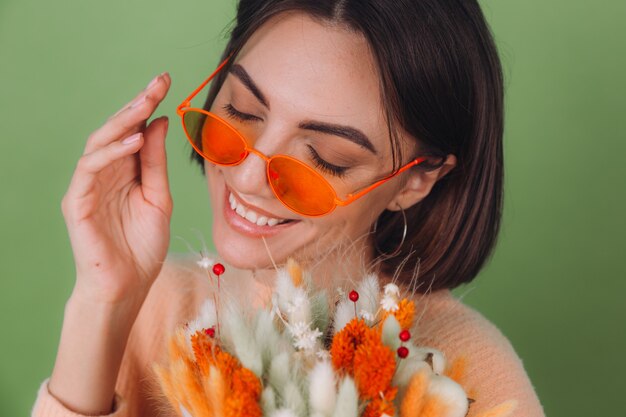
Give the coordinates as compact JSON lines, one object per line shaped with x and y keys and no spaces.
{"x":298,"y":186}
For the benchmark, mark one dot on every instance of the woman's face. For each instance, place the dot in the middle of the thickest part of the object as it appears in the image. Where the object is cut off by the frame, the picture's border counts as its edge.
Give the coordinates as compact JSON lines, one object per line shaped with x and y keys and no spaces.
{"x":312,"y":91}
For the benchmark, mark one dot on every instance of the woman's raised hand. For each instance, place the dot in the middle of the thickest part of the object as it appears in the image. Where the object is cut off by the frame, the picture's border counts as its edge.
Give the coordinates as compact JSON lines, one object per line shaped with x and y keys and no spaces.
{"x":118,"y":206}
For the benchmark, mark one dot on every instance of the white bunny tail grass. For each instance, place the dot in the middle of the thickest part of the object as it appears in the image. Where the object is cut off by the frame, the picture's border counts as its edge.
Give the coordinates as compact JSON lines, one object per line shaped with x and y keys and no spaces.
{"x":320,"y":311}
{"x":279,"y":372}
{"x":347,"y":399}
{"x":235,"y":329}
{"x":284,"y":412}
{"x":343,"y":314}
{"x":267,"y":338}
{"x":391,"y":330}
{"x":285,"y":288}
{"x":322,"y":389}
{"x":369,"y":294}
{"x":294,"y":400}
{"x":268,"y":401}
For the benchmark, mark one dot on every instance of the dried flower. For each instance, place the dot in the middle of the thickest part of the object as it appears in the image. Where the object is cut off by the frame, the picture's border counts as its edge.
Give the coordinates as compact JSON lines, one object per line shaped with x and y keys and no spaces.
{"x":304,"y":337}
{"x":366,"y":315}
{"x":345,"y":343}
{"x":374,"y":365}
{"x":392,"y":290}
{"x":381,"y":405}
{"x":206,"y":263}
{"x":389,"y":303}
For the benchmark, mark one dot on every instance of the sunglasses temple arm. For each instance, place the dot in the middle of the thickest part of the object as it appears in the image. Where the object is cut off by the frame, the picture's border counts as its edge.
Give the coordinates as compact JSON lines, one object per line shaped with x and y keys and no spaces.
{"x":186,"y":102}
{"x":352,"y":197}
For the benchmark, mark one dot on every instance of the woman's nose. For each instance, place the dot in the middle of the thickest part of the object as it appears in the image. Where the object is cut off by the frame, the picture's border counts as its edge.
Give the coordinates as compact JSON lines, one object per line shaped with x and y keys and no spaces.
{"x":249,"y":177}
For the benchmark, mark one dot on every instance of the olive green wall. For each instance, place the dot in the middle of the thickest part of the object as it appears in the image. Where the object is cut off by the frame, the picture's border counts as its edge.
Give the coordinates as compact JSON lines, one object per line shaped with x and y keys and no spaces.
{"x":555,"y":285}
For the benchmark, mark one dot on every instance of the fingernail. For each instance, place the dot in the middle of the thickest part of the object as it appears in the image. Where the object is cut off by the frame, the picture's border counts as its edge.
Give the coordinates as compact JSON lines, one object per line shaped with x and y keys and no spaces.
{"x":139,"y":101}
{"x":154,"y":81}
{"x":132,"y":139}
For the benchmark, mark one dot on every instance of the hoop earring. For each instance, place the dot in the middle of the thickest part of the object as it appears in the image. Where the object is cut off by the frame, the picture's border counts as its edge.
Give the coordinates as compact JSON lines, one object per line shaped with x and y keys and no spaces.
{"x":397,"y":251}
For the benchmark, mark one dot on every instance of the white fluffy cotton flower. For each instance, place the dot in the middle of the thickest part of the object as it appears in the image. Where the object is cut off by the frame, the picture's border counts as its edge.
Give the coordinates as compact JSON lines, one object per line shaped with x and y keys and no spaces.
{"x":389,"y":303}
{"x":206,"y":263}
{"x":366,"y":315}
{"x":392,"y":289}
{"x":304,"y":337}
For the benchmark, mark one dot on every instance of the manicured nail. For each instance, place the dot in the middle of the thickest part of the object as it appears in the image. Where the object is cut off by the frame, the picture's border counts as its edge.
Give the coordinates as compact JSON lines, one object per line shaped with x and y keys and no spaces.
{"x":139,"y":101}
{"x":131,"y":139}
{"x":154,"y":81}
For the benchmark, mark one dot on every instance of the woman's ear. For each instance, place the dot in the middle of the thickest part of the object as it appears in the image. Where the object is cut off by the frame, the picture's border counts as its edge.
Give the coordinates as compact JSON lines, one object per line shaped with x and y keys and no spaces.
{"x":419,"y":184}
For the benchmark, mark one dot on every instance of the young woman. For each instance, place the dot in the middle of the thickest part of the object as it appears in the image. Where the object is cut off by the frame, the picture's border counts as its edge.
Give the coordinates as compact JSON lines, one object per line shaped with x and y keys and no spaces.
{"x":354,"y":134}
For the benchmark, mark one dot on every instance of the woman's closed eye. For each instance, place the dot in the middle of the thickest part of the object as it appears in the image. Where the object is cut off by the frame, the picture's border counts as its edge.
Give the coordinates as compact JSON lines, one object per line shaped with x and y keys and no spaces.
{"x":240,"y":116}
{"x":324,"y":165}
{"x":320,"y":163}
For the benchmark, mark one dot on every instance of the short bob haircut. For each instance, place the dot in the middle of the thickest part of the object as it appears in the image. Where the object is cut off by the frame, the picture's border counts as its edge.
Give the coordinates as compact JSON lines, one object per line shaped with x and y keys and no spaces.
{"x":441,"y":81}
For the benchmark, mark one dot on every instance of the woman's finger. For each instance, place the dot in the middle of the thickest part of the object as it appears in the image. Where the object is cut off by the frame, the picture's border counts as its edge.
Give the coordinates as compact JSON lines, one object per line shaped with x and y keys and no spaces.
{"x":89,"y":165}
{"x":148,"y":87}
{"x":154,"y":181}
{"x":128,"y":121}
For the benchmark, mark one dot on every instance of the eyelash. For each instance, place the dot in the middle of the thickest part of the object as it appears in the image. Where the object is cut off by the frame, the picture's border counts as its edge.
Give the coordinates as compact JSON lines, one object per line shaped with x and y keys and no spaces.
{"x":236,"y":114}
{"x":326,"y":166}
{"x":320,"y":163}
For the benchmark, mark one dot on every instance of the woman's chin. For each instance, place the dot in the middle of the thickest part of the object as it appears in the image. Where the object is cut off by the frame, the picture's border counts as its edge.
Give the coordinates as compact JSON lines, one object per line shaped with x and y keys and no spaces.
{"x":245,"y":252}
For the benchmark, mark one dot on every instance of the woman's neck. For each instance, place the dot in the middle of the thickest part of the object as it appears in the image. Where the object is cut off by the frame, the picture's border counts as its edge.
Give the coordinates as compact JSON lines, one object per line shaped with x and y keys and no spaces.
{"x":334,"y":270}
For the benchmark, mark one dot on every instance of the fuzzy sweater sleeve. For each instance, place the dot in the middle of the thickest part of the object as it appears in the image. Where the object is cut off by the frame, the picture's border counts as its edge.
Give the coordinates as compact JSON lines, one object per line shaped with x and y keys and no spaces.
{"x":172,"y":299}
{"x":492,"y":372}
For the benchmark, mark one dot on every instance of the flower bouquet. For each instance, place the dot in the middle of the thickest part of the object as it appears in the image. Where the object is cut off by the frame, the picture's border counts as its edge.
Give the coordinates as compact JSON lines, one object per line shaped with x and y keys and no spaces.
{"x":309,"y":353}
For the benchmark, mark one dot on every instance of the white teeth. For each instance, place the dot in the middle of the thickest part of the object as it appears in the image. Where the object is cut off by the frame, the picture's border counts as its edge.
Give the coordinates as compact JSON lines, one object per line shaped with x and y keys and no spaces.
{"x":251,"y":215}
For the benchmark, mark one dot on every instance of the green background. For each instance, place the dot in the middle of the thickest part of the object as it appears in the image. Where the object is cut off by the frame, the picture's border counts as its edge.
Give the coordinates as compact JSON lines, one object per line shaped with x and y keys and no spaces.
{"x":555,"y":285}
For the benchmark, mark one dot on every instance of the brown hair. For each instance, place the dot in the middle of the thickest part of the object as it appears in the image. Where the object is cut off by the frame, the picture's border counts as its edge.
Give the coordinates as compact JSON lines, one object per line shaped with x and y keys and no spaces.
{"x":441,"y":80}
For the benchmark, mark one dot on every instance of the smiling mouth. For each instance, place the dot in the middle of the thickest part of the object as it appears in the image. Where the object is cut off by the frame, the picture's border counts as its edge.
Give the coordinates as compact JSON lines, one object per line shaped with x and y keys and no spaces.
{"x":252,"y":216}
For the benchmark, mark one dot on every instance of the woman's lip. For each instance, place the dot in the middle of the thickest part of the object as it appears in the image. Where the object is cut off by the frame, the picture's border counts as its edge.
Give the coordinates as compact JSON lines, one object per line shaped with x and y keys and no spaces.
{"x":254,"y":208}
{"x":247,"y":228}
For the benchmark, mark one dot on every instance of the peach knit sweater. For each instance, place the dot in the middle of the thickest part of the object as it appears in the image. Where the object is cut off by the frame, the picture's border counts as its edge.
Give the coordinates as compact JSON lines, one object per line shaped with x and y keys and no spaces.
{"x":494,"y":372}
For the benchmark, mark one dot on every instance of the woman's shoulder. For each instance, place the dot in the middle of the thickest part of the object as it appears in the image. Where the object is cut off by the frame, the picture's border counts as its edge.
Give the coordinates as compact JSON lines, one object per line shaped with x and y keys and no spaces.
{"x":493,"y":373}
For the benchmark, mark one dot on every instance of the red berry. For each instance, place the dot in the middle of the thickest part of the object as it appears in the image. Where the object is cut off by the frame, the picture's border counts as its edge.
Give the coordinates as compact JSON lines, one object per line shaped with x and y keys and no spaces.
{"x":354,"y":296}
{"x":218,"y":269}
{"x":210,"y":332}
{"x":403,"y":351}
{"x":405,"y":335}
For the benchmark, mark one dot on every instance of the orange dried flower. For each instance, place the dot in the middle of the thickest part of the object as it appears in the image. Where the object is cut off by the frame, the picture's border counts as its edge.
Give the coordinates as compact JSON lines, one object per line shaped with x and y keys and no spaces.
{"x":243,"y":399}
{"x":405,"y":314}
{"x":345,"y":343}
{"x":374,"y":365}
{"x":295,"y":272}
{"x":382,"y":404}
{"x":243,"y":386}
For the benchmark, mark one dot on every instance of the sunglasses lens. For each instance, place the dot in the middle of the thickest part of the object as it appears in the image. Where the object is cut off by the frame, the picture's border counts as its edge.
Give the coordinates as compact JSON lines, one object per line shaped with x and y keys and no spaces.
{"x":299,"y":187}
{"x":213,"y":139}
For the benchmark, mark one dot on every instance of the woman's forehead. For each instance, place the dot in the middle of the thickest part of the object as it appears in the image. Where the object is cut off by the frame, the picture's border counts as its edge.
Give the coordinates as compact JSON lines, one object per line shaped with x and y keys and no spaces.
{"x":306,"y":68}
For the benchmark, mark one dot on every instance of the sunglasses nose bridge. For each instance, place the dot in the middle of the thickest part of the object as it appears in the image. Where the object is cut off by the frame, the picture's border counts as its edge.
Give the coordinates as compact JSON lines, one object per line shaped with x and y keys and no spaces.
{"x":259,"y":154}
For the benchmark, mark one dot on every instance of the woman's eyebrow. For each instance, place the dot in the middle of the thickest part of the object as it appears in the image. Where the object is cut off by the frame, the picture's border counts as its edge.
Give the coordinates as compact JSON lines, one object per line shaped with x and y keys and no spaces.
{"x":347,"y":132}
{"x":239,"y":72}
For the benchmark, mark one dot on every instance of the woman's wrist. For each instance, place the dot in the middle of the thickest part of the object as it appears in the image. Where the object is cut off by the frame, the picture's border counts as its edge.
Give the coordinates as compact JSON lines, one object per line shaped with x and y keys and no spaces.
{"x":93,"y":340}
